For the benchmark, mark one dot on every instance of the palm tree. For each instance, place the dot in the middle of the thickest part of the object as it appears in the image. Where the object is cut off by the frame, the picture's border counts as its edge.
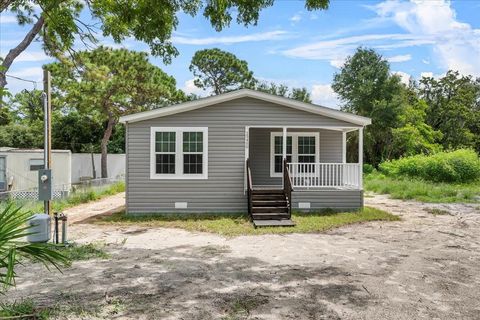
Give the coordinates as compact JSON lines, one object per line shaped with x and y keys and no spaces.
{"x":13,"y":249}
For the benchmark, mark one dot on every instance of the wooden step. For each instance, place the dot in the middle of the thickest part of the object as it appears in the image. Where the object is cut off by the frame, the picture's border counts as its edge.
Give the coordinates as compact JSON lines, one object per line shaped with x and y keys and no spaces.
{"x":273,"y":223}
{"x":261,"y":197}
{"x":270,"y":216}
{"x":269,"y":203}
{"x":267,"y":191}
{"x":269,"y":209}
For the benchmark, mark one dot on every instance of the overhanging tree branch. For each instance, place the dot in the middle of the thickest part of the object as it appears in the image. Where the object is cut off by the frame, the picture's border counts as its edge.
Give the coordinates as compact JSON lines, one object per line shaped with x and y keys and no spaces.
{"x":15,"y":52}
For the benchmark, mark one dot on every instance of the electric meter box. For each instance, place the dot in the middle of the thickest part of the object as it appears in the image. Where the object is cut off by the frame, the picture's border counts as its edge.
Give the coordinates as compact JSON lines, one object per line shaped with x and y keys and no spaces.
{"x":39,"y":227}
{"x":44,"y":184}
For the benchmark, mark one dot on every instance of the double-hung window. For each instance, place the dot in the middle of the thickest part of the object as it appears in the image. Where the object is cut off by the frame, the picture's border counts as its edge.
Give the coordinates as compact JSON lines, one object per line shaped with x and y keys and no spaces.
{"x":302,"y":147}
{"x":179,"y":153}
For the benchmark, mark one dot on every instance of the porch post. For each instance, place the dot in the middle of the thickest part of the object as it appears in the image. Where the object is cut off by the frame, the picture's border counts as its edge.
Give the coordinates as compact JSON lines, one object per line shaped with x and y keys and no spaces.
{"x":247,"y":155}
{"x":284,"y":150}
{"x":344,"y":147}
{"x":360,"y":157}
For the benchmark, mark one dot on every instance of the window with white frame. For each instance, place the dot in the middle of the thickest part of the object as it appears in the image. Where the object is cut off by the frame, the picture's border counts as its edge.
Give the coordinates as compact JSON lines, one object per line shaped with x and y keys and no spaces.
{"x":179,"y":153}
{"x":302,"y":147}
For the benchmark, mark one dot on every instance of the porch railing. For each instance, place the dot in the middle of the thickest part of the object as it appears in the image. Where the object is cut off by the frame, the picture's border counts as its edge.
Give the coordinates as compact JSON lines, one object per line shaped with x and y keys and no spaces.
{"x":287,"y":187}
{"x":325,"y":175}
{"x":249,"y":188}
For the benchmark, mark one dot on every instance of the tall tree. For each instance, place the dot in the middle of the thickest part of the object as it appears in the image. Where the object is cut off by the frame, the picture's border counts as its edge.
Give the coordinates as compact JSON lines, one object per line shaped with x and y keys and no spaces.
{"x":368,"y":88}
{"x":453,"y":108}
{"x":60,"y":22}
{"x":112,"y":83}
{"x":220,"y":71}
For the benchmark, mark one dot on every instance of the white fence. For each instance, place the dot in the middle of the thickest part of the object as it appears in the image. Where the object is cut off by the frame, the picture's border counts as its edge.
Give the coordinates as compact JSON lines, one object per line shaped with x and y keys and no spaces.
{"x":82,"y":166}
{"x":325,"y":175}
{"x":60,"y":190}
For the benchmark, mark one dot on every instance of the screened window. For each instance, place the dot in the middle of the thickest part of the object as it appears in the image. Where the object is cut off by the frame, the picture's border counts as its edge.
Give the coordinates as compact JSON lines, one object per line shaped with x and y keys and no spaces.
{"x":36,"y":164}
{"x":302,"y":147}
{"x":193,"y":152}
{"x":306,"y":149}
{"x":165,"y":145}
{"x":278,"y":156}
{"x":179,"y":153}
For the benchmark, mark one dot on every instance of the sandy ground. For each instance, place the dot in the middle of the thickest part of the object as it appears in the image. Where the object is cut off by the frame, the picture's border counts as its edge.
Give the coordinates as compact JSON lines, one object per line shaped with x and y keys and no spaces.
{"x":423,"y":267}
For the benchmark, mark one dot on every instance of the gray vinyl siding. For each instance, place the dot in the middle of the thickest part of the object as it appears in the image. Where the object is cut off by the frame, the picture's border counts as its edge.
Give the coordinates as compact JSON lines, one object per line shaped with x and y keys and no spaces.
{"x":223,"y":191}
{"x":328,"y":199}
{"x":330,"y":146}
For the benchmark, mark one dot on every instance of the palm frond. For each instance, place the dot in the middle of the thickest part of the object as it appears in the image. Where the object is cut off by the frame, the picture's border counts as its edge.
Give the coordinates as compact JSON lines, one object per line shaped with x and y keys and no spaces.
{"x":14,"y":249}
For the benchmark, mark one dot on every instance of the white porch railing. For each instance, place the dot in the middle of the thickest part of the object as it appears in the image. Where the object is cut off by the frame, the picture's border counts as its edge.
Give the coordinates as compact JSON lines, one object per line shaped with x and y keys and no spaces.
{"x":325,"y":175}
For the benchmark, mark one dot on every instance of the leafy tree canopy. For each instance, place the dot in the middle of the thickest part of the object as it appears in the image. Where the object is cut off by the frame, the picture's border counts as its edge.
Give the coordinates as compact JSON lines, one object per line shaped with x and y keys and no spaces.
{"x":111,"y":83}
{"x":368,"y":88}
{"x":220,"y":70}
{"x":300,"y":94}
{"x":453,"y":108}
{"x":60,"y":22}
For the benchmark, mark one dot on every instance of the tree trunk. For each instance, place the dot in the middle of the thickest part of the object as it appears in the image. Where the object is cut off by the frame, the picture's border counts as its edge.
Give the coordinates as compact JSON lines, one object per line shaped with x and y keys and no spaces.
{"x":103,"y":145}
{"x":15,"y":52}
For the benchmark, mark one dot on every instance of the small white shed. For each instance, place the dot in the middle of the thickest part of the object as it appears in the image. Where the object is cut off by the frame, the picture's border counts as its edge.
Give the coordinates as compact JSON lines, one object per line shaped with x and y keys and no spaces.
{"x":19,"y":169}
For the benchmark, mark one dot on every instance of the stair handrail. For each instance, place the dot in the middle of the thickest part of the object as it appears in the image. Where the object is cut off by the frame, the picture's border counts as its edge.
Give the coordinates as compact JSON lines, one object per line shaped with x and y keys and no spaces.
{"x":287,"y":186}
{"x":249,"y":188}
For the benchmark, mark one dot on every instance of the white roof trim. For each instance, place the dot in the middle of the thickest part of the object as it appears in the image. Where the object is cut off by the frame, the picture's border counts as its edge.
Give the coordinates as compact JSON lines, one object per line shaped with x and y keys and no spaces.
{"x":246,"y":93}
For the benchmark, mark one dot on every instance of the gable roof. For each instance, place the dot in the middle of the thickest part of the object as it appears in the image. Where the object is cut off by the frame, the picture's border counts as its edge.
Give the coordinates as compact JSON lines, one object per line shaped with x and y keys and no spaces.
{"x":247,"y":93}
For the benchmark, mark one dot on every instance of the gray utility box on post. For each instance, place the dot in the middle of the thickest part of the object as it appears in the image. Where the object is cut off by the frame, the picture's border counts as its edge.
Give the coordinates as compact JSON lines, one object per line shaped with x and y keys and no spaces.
{"x":39,"y":227}
{"x":44,"y":184}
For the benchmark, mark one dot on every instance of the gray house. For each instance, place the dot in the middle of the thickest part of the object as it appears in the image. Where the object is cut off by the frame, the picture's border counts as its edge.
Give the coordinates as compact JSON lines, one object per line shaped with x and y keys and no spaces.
{"x":242,"y":151}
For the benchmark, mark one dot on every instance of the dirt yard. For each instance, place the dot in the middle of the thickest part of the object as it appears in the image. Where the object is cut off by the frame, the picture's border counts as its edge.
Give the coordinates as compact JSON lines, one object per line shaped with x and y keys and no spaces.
{"x":426,"y":266}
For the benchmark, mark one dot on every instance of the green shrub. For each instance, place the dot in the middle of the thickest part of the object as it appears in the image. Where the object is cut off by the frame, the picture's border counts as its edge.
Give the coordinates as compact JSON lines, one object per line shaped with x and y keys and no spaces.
{"x":368,"y":168}
{"x":458,"y":166}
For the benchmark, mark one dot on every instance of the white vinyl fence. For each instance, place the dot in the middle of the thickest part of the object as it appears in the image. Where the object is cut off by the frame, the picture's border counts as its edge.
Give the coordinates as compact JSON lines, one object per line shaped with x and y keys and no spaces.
{"x":82,"y":166}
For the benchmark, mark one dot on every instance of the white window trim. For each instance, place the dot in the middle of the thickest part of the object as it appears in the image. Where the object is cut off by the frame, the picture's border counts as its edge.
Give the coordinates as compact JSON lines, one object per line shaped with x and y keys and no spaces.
{"x":179,"y":175}
{"x":294,"y":136}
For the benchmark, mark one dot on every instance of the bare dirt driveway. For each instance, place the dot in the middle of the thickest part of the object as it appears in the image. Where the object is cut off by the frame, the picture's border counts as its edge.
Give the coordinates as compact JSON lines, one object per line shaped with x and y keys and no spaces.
{"x":424,"y":267}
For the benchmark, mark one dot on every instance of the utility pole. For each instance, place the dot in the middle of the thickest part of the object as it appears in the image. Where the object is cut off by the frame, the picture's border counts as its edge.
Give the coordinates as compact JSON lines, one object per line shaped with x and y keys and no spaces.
{"x":47,"y":152}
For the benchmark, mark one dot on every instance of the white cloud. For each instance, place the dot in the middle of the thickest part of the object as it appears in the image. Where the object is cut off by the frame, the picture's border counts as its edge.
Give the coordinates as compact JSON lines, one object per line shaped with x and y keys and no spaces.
{"x":426,"y":61}
{"x":338,"y":49}
{"x":296,"y":18}
{"x":456,"y":44}
{"x":400,"y":58}
{"x":261,"y":36}
{"x":337,"y":63}
{"x":189,"y":87}
{"x":4,"y":19}
{"x":404,"y":77}
{"x":426,"y":75}
{"x":32,"y":56}
{"x":324,"y":95}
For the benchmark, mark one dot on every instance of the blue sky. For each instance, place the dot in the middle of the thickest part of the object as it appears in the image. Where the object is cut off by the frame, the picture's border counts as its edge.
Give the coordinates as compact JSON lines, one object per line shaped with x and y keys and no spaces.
{"x":299,"y":48}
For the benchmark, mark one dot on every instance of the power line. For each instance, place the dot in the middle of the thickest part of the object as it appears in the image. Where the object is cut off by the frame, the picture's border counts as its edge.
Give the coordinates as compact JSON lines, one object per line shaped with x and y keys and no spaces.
{"x":26,"y":80}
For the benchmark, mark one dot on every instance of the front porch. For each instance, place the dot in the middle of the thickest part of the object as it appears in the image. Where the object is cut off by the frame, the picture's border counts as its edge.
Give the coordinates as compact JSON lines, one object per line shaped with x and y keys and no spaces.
{"x":304,"y":163}
{"x":316,"y":157}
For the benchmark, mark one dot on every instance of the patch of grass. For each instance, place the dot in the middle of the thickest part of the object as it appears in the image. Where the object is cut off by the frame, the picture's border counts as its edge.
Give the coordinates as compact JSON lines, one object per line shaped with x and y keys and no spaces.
{"x":75,"y":198}
{"x":235,"y":225}
{"x":76,"y":252}
{"x":241,"y":307}
{"x":437,"y":211}
{"x":25,"y":309}
{"x":425,"y":191}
